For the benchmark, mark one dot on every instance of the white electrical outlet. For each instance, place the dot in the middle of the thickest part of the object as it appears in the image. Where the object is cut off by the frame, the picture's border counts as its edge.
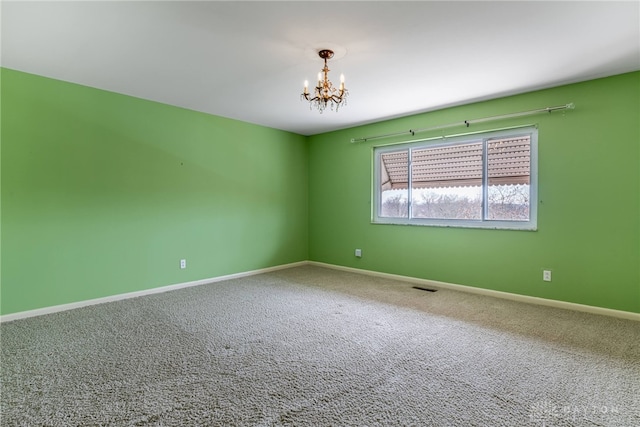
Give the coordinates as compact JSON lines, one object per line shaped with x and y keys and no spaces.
{"x":546,"y":275}
{"x":183,"y":263}
{"x":359,"y":253}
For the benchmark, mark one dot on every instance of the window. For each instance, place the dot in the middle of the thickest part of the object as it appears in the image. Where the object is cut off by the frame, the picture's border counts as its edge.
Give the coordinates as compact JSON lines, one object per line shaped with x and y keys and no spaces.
{"x":483,"y":180}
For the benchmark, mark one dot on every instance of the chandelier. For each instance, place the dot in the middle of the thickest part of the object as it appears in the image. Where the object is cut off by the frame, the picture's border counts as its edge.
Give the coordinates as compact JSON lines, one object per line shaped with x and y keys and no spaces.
{"x":324,"y":94}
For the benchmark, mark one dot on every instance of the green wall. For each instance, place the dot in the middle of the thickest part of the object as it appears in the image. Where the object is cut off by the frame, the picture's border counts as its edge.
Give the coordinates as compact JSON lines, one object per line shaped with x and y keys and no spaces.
{"x":588,"y":208}
{"x":103,"y":194}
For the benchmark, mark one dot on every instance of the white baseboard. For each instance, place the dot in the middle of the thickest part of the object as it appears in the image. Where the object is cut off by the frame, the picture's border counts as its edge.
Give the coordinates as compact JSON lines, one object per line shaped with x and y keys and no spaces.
{"x":70,"y":306}
{"x":488,"y":292}
{"x":425,"y":282}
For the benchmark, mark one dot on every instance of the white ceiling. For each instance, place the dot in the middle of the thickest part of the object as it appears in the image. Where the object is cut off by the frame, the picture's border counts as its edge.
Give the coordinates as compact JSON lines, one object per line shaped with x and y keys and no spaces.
{"x":248,"y":60}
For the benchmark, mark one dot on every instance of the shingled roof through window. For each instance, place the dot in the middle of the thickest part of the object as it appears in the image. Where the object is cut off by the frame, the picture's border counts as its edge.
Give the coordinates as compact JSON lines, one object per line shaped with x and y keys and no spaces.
{"x":458,"y":165}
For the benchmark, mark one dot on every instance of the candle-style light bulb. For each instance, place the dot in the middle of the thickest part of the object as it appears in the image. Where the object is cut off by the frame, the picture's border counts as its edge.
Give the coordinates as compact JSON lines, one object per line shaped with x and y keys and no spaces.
{"x":341,"y":82}
{"x":306,"y":86}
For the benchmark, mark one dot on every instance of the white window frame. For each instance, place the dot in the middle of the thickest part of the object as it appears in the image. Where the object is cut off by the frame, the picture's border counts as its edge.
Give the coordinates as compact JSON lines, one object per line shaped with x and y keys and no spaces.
{"x":530,"y":225}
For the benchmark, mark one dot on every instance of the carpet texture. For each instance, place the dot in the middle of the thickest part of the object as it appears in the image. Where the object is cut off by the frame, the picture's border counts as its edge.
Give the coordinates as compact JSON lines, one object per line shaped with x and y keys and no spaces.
{"x":310,"y":346}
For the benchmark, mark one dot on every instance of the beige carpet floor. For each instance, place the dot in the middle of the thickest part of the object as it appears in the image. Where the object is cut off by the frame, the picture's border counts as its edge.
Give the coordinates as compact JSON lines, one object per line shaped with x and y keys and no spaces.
{"x":310,"y":346}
